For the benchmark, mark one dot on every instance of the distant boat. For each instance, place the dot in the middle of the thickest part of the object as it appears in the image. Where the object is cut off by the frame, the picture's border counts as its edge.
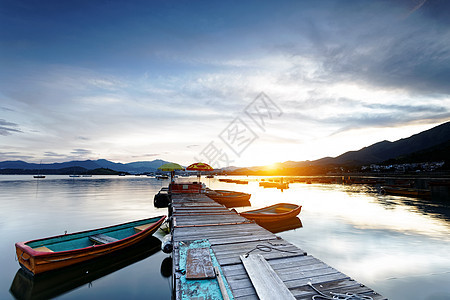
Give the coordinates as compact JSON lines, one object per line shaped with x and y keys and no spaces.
{"x":39,"y":173}
{"x":162,"y":177}
{"x":405,"y":191}
{"x":278,"y":185}
{"x":46,"y":254}
{"x":277,"y":212}
{"x":74,"y":176}
{"x":210,"y":176}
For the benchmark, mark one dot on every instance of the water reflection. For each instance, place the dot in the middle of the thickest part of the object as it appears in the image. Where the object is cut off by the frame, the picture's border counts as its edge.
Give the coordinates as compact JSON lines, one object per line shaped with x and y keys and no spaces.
{"x":166,"y":267}
{"x":55,"y":283}
{"x":283,"y":225}
{"x":435,"y":208}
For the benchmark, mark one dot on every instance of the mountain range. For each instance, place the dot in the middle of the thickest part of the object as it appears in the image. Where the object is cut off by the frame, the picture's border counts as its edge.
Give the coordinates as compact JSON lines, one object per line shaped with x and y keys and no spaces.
{"x":429,"y":145}
{"x":133,"y":167}
{"x":380,"y":152}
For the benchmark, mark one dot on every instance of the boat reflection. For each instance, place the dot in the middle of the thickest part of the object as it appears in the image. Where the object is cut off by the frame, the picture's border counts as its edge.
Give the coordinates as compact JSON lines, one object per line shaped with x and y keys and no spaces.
{"x":54,"y":283}
{"x":166,"y":267}
{"x":237,"y":204}
{"x":280,"y":226}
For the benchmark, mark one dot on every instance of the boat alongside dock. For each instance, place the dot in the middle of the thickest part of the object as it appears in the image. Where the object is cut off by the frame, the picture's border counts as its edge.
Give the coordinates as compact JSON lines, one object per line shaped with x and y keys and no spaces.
{"x":231,"y":241}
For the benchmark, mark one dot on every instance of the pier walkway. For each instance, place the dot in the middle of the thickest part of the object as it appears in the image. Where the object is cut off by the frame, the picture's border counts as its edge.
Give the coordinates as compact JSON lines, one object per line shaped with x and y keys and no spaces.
{"x":197,"y":217}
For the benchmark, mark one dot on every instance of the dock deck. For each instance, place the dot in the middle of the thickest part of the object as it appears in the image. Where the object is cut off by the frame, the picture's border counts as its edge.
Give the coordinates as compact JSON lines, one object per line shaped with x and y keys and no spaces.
{"x":197,"y":217}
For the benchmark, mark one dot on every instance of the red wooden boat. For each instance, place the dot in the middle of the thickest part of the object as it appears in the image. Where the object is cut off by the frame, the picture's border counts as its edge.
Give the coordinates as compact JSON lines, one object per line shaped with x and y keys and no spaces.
{"x":42,"y":255}
{"x":277,"y":212}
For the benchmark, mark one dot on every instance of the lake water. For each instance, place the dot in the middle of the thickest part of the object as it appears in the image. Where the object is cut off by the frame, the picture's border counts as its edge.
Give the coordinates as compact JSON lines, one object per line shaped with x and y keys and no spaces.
{"x":398,"y":246}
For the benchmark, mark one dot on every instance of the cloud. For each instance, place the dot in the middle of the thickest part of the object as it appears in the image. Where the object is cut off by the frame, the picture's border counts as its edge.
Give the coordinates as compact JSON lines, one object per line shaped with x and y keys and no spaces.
{"x":81,"y":152}
{"x":371,"y":44}
{"x":7,"y":128}
{"x":13,"y":155}
{"x":53,"y":154}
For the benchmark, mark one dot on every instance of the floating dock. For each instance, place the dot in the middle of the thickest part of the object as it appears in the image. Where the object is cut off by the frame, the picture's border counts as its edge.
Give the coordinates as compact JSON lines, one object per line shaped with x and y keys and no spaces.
{"x":232,"y":238}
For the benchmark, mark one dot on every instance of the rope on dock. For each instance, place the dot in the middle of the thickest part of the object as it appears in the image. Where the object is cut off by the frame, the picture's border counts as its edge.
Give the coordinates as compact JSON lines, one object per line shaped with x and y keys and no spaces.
{"x":338,"y":296}
{"x":266,"y":248}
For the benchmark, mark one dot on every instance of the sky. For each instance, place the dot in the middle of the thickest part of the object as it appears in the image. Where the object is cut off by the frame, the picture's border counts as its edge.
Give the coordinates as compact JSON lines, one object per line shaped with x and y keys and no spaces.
{"x":224,"y":82}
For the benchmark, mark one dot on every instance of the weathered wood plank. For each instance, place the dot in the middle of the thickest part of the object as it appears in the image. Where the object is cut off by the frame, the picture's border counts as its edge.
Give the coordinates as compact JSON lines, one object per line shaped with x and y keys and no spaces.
{"x":102,"y":239}
{"x":266,"y":282}
{"x":199,"y":264}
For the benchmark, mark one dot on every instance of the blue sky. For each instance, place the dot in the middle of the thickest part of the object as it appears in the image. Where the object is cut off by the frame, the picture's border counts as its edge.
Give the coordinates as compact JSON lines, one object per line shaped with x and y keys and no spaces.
{"x":141,"y":80}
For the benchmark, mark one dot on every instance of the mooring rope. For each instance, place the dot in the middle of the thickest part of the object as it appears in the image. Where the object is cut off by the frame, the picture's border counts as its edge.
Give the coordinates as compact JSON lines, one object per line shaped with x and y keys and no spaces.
{"x":266,"y":248}
{"x":338,"y":296}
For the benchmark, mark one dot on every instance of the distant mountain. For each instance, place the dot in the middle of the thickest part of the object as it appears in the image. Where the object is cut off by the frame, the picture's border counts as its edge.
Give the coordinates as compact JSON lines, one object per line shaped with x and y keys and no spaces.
{"x":134,"y":167}
{"x":440,"y":152}
{"x":427,"y":146}
{"x":385,"y":150}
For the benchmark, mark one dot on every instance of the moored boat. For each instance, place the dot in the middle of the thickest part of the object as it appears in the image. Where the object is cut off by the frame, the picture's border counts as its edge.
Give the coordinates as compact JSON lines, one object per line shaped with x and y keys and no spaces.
{"x":277,"y":212}
{"x":55,"y":283}
{"x":278,"y":185}
{"x":229,"y":198}
{"x":405,"y":191}
{"x":46,"y":254}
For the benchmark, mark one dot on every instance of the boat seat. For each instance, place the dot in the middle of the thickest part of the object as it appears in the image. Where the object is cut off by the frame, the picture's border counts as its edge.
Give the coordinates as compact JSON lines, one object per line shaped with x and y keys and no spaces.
{"x":43,"y":249}
{"x":142,"y":227}
{"x":102,"y":239}
{"x":283,"y":209}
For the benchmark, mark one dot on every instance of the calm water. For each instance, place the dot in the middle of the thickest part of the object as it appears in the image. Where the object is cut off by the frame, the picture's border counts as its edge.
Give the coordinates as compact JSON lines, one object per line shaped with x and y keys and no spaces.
{"x":398,"y":246}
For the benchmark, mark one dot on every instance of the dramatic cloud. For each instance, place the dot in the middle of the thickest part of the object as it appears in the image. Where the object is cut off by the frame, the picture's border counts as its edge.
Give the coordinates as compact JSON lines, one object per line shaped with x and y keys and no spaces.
{"x":164,"y":77}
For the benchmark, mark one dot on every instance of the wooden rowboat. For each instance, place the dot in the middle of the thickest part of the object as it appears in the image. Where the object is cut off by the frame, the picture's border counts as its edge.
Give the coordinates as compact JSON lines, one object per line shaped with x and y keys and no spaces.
{"x":229,"y":198}
{"x":42,"y":255}
{"x":52,"y":284}
{"x":277,"y":212}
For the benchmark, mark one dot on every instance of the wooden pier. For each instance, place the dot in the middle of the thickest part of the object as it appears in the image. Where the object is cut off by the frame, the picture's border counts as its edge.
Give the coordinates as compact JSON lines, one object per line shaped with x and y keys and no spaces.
{"x":197,"y":217}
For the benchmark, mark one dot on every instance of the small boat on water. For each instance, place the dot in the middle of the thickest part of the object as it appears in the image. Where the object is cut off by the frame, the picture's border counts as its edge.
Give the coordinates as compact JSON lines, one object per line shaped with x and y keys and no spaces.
{"x":53,"y":284}
{"x":39,"y":176}
{"x":405,"y":191}
{"x":278,"y":185}
{"x":227,"y":197}
{"x":46,"y":254}
{"x":277,"y":212}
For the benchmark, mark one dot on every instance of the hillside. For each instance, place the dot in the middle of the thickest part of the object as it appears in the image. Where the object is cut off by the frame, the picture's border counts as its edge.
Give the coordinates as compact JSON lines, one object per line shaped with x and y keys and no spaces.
{"x":385,"y":150}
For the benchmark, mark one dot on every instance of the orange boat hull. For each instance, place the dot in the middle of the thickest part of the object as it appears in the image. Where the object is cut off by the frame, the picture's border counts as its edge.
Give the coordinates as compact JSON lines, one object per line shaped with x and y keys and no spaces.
{"x":38,"y":262}
{"x":272,"y":217}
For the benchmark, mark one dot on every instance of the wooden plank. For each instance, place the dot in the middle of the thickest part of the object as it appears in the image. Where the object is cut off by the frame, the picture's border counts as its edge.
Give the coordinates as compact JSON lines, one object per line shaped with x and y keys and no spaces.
{"x":199,"y":264}
{"x":266,"y":282}
{"x":43,"y":249}
{"x":222,"y":287}
{"x":142,"y":227}
{"x":102,"y":239}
